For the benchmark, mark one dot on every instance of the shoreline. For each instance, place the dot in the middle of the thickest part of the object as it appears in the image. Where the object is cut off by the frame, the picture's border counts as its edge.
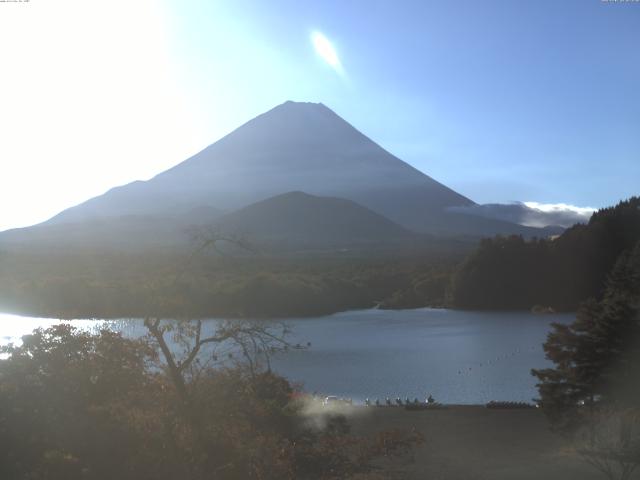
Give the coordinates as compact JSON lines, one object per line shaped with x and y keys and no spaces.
{"x":42,"y":316}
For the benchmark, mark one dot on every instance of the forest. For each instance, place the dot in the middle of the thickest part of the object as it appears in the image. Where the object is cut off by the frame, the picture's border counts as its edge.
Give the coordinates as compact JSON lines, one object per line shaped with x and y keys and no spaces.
{"x":176,"y":284}
{"x":510,"y":273}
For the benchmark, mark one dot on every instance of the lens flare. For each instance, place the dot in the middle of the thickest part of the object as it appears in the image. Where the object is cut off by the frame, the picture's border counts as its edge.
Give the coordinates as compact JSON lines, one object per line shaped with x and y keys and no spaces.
{"x":326,"y":51}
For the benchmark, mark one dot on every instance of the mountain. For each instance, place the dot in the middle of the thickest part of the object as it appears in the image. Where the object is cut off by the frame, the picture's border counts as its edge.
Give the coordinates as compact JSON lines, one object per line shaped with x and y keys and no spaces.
{"x":303,"y":220}
{"x":302,"y":147}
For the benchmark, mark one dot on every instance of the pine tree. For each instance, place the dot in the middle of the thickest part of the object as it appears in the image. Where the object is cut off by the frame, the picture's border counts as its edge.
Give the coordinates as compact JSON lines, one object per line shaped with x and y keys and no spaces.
{"x":597,"y":357}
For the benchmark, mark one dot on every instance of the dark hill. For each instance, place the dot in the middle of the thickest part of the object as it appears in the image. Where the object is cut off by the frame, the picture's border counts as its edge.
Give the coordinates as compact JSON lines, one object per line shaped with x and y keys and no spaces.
{"x":302,"y":220}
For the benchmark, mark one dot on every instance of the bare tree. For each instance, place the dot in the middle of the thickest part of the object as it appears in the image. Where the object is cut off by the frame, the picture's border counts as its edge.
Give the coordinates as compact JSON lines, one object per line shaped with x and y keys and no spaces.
{"x":189,"y":348}
{"x":182,"y":342}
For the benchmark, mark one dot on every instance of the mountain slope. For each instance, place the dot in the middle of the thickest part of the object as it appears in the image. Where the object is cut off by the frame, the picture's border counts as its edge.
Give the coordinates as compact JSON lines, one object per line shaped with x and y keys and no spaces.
{"x":122,"y":232}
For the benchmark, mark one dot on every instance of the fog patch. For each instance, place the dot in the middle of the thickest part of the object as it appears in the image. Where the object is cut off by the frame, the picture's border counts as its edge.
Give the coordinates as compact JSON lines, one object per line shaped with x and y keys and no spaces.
{"x":318,"y":414}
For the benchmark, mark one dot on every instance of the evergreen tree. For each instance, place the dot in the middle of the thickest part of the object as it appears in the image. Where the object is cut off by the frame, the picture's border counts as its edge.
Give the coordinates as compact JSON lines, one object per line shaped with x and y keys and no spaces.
{"x":597,"y":357}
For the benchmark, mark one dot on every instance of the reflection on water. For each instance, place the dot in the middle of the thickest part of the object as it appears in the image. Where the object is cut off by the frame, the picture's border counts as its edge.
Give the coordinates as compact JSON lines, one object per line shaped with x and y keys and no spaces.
{"x":457,"y":356}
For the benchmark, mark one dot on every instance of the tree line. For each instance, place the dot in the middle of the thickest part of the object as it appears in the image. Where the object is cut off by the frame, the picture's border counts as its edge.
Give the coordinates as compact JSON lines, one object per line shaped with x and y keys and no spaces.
{"x":109,"y":285}
{"x":512,"y":273}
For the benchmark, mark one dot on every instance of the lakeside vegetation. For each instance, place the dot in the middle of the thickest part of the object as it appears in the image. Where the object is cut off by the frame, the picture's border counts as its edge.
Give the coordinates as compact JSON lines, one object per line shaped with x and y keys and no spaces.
{"x":592,"y":393}
{"x":75,"y":405}
{"x":509,"y":273}
{"x":172,"y":284}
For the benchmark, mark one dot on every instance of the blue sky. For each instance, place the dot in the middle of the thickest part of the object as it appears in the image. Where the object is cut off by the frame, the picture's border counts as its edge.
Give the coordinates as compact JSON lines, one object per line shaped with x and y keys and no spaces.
{"x":500,"y":100}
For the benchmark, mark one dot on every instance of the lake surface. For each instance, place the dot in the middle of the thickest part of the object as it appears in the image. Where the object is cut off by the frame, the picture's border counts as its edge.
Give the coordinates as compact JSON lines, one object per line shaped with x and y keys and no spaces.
{"x":456,"y":356}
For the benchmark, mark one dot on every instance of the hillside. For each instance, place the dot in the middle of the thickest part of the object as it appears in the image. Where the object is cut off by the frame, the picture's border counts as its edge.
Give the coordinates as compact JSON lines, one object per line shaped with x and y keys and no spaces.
{"x":131,"y":232}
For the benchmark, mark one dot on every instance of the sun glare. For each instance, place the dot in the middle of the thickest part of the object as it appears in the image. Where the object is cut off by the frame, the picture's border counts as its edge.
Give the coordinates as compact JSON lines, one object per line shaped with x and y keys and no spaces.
{"x":326,"y":51}
{"x":98,"y":89}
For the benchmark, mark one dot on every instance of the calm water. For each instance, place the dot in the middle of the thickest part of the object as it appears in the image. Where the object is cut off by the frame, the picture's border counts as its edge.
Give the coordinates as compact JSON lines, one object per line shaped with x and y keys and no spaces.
{"x":457,"y":356}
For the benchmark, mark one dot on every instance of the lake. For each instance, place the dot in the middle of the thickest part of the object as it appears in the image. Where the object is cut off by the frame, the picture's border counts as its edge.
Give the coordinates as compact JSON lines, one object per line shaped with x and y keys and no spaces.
{"x":458,"y":357}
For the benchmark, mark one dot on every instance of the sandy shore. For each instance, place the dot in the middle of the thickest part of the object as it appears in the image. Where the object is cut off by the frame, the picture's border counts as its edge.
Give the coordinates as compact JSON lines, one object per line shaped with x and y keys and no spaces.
{"x":473,"y":443}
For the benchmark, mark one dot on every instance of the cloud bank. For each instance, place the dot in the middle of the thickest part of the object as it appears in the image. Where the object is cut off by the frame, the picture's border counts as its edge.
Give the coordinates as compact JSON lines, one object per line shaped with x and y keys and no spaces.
{"x":531,"y":214}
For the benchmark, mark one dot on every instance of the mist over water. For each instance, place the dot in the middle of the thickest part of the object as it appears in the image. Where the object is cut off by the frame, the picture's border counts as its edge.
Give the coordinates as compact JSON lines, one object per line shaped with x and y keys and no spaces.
{"x":459,"y":357}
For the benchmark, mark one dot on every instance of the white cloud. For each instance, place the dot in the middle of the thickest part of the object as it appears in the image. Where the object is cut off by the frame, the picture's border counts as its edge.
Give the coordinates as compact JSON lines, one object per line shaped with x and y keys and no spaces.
{"x":561,"y":207}
{"x":531,"y":214}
